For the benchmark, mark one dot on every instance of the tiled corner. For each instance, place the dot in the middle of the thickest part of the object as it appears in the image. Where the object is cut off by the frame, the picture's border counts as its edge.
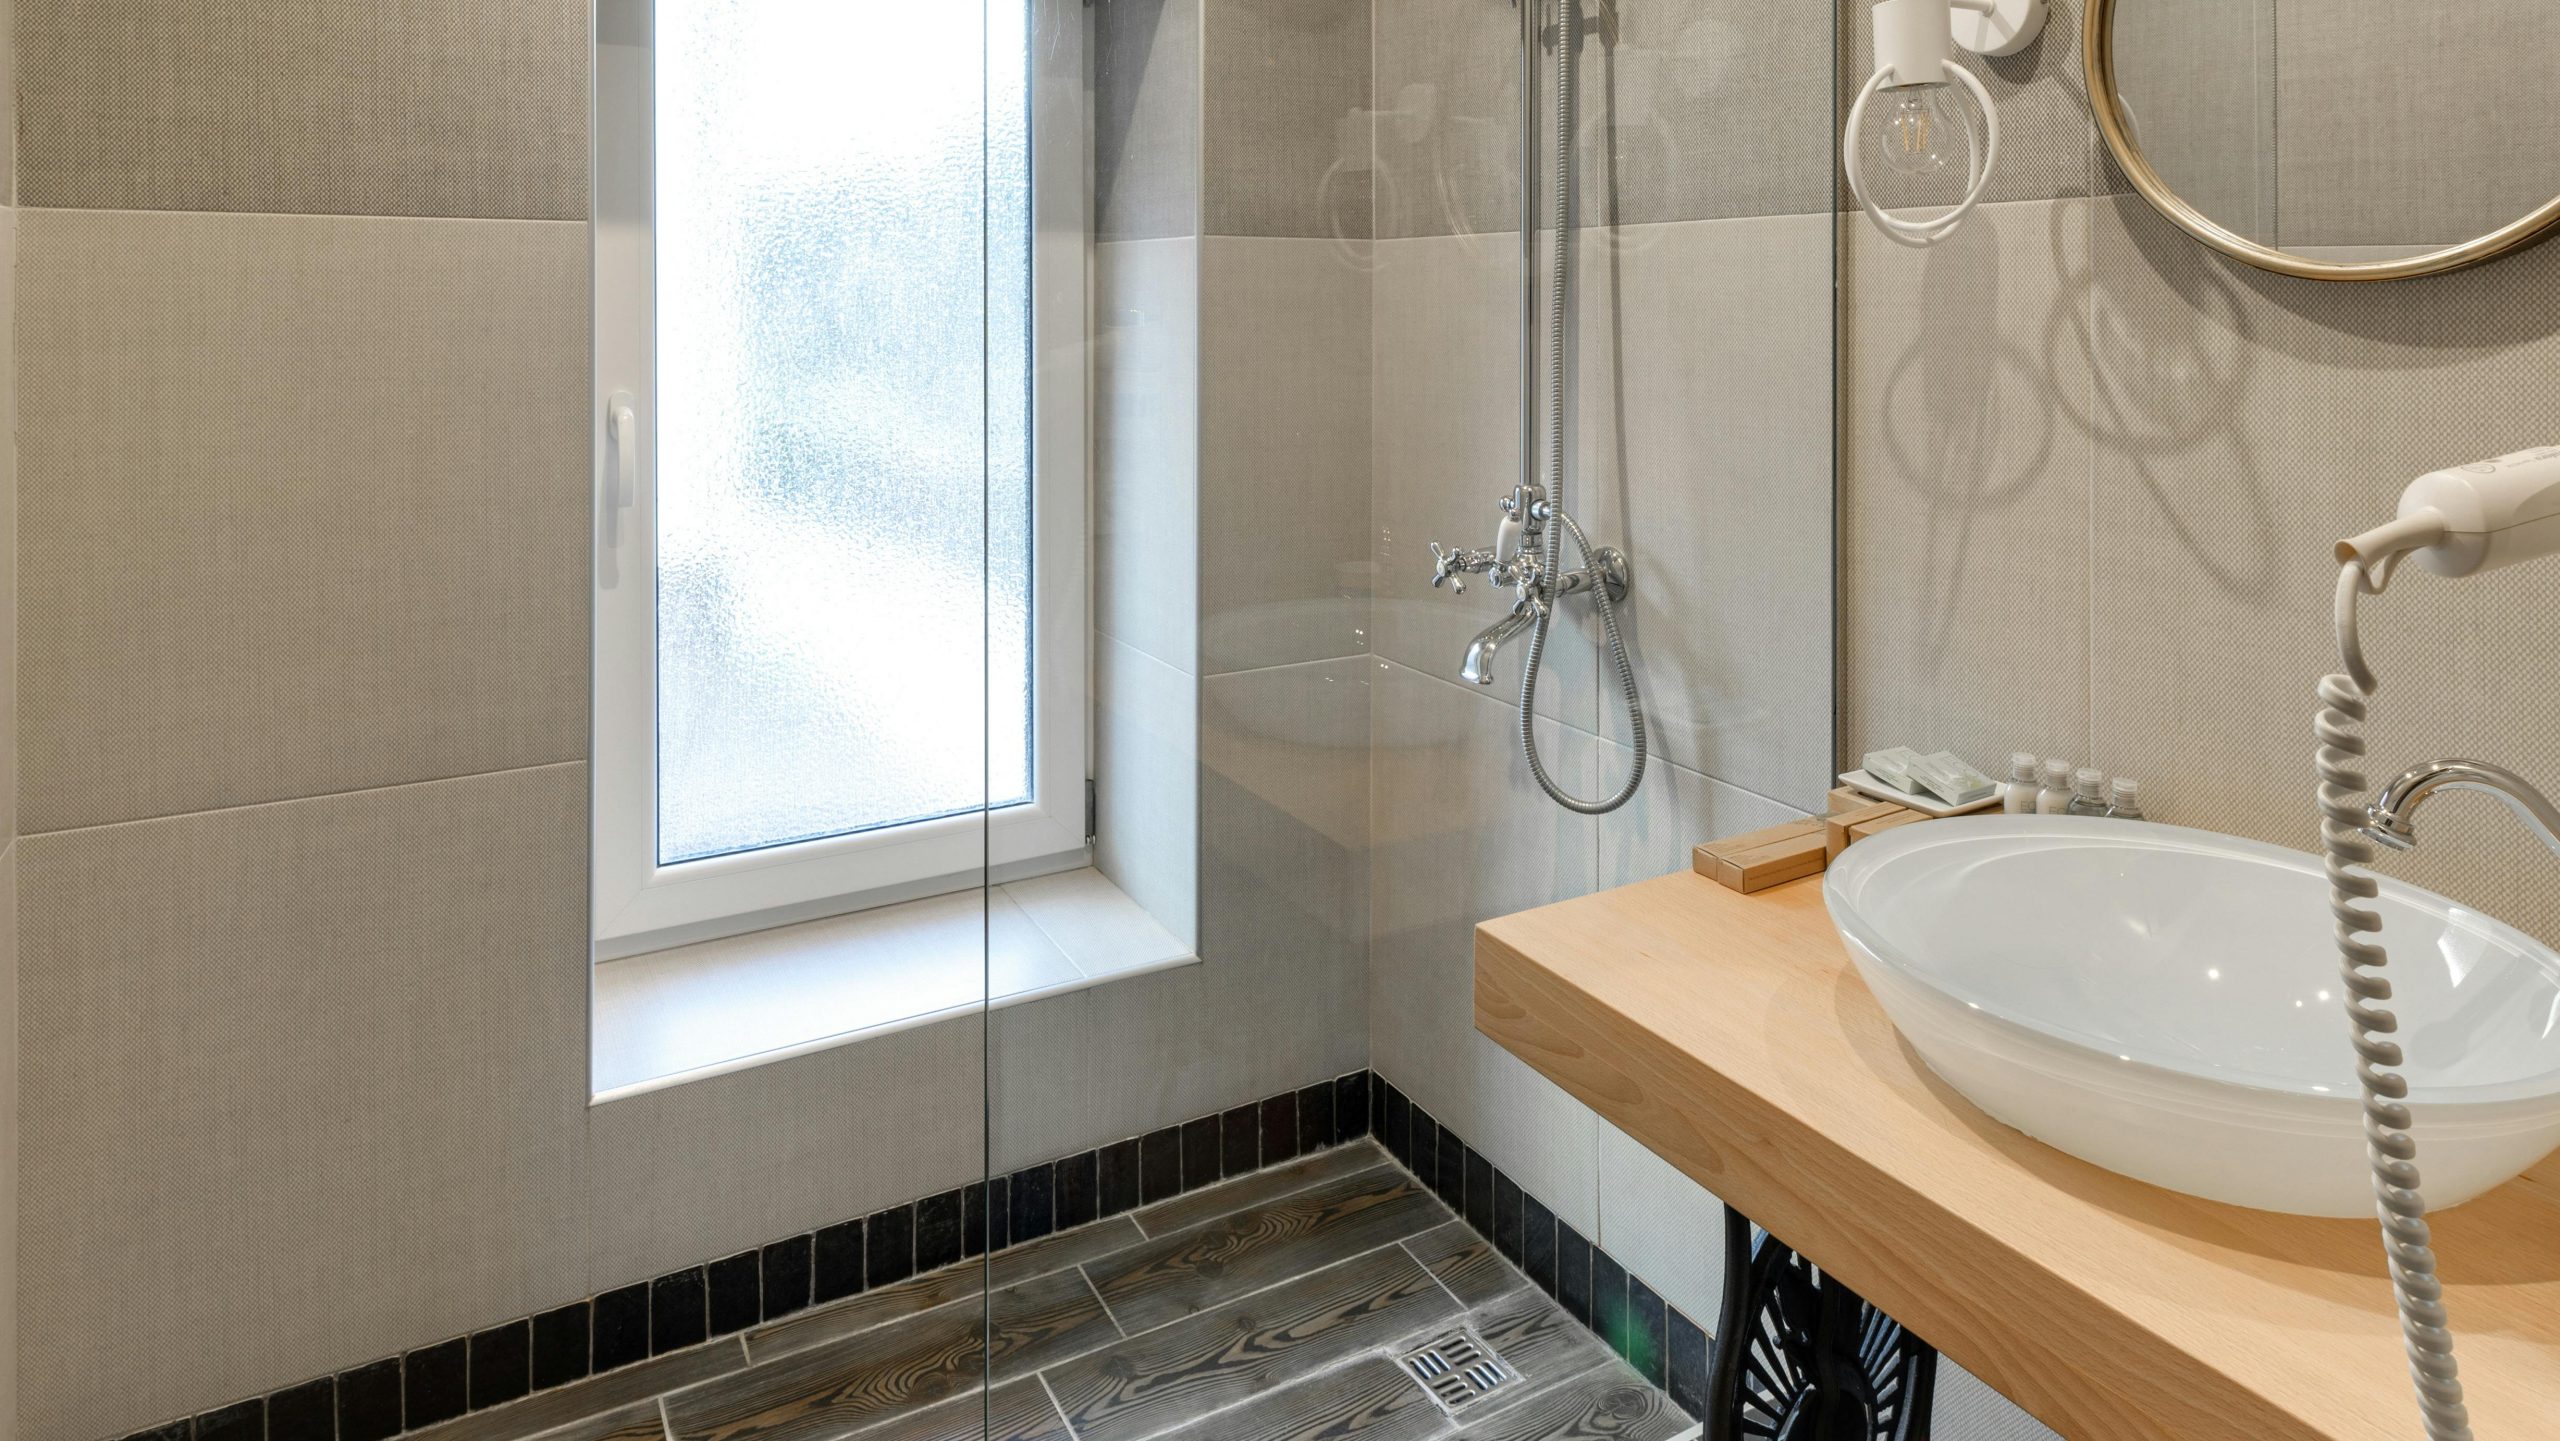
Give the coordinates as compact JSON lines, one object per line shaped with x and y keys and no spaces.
{"x":1284,"y":389}
{"x":277,"y":576}
{"x":1285,"y":119}
{"x":1146,"y":122}
{"x":441,"y":107}
{"x":1965,"y":524}
{"x":1146,"y":744}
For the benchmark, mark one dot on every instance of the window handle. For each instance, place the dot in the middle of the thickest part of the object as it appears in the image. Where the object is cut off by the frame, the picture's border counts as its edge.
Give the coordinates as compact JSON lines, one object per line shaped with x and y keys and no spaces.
{"x":621,"y":479}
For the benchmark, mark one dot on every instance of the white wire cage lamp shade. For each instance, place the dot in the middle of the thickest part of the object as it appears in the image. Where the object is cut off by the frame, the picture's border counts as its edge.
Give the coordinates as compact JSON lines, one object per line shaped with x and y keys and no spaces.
{"x":1912,"y":67}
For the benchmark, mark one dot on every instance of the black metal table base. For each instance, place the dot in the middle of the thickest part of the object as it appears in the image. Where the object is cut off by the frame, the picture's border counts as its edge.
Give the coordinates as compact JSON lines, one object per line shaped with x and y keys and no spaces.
{"x":1801,"y":1357}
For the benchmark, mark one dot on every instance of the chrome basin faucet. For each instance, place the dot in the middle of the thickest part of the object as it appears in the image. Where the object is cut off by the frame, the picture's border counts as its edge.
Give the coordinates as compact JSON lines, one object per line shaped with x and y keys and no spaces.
{"x":2390,"y":819}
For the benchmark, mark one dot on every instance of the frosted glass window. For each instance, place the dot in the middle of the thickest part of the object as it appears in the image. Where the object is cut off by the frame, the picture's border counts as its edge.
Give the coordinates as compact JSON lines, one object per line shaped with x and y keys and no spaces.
{"x":844,"y":562}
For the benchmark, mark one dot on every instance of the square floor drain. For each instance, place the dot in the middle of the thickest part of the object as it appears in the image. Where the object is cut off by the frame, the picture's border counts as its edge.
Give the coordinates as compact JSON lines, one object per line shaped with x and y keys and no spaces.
{"x":1458,"y":1370}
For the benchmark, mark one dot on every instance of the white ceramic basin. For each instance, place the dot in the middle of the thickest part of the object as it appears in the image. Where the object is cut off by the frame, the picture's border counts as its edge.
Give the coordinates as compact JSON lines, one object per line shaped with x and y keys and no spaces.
{"x":2164,"y":1002}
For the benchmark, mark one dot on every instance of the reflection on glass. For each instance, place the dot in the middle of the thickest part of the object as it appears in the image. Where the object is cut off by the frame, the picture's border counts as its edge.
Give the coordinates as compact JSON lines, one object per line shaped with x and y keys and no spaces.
{"x":844,"y":553}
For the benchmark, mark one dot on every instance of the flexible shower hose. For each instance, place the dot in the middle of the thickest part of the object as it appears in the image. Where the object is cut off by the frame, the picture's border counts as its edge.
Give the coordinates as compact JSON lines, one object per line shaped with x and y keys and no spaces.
{"x":1567,"y":27}
{"x":2361,"y":962}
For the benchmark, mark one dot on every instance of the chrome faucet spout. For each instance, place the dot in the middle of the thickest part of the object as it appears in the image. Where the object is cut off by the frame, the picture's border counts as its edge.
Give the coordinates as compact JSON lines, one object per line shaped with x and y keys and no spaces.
{"x":2390,"y":820}
{"x":1491,"y":639}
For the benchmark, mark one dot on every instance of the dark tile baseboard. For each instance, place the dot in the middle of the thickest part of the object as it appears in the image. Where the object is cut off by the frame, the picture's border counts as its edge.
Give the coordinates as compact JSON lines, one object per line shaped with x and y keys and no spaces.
{"x":726,"y":1295}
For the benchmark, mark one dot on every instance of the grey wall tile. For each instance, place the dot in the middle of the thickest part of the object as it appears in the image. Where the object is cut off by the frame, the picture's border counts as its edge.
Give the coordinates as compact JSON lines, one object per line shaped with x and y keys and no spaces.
{"x":1677,"y":811}
{"x":2246,"y":422}
{"x":1965,"y":532}
{"x":289,"y":1103}
{"x":1285,"y":106}
{"x":2197,"y":79}
{"x":1146,"y":717}
{"x":1459,"y":833}
{"x":1146,"y":122}
{"x":714,"y":1166}
{"x":2048,"y":142}
{"x":1447,"y":92}
{"x":304,"y":506}
{"x":12,"y":1135}
{"x":8,"y":519}
{"x":1705,"y":430}
{"x":1146,"y":446}
{"x":1693,"y":113}
{"x":1966,"y":1409}
{"x":437,"y":107}
{"x":1284,"y":451}
{"x":1445,"y":448}
{"x":2393,"y":139}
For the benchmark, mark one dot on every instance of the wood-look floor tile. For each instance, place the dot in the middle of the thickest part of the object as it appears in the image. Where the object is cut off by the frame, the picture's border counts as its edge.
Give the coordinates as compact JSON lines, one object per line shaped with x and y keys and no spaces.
{"x":1168,"y":1378}
{"x":594,"y":1399}
{"x":831,"y":1390}
{"x":1015,"y":1411}
{"x":1371,"y":1399}
{"x":639,"y":1421}
{"x":1191,"y":1271}
{"x":1182,"y":1212}
{"x":1466,"y":1263}
{"x":964,"y":1282}
{"x":1605,"y":1403}
{"x":1537,"y":1337}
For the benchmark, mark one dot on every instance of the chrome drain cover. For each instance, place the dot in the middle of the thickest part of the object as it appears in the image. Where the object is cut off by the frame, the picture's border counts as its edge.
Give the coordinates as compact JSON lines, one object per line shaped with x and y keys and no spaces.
{"x":1457,"y":1369}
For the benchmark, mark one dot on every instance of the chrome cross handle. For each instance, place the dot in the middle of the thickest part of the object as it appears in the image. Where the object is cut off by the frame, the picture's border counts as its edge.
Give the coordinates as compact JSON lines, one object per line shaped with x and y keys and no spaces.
{"x":1454,"y":566}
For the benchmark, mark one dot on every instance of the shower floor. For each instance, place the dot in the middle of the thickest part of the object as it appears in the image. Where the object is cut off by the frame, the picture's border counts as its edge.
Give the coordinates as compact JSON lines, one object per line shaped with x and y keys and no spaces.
{"x":1276,"y":1307}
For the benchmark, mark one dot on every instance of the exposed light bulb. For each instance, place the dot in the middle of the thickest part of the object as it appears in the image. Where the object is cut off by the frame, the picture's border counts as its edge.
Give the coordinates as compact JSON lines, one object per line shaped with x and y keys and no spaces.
{"x":1918,"y":125}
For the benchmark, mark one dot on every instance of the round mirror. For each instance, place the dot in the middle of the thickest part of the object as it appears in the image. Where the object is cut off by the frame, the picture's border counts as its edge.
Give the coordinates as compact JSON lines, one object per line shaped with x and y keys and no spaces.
{"x":2338,"y":140}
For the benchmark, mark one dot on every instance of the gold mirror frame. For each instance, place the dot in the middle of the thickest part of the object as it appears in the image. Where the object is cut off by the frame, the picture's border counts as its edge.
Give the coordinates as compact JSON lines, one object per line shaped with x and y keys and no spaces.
{"x":2098,"y":56}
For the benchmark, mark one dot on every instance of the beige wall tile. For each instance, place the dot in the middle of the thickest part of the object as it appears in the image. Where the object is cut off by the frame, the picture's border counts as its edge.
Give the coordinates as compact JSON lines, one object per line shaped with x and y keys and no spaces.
{"x":438,"y":107}
{"x":8,"y":513}
{"x":2248,"y":421}
{"x":1706,"y":440}
{"x":12,"y":1134}
{"x":1445,"y":450}
{"x":2198,"y":79}
{"x":1146,"y":123}
{"x":1702,"y":112}
{"x":304,"y":504}
{"x":1146,"y":446}
{"x":712,"y":1167}
{"x":302,"y":1087}
{"x":1285,"y":127}
{"x":1676,"y":811}
{"x":1284,"y":451}
{"x":1446,"y":87}
{"x":1965,"y":494}
{"x":1661,"y":1226}
{"x":2394,"y":138}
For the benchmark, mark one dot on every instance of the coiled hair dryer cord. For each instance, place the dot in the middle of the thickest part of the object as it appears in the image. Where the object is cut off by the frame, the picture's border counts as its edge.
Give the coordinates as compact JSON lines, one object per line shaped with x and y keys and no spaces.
{"x":2361,"y":963}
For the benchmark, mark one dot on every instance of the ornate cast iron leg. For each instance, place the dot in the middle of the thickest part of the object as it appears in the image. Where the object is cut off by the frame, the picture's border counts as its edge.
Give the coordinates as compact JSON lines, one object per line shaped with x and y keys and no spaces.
{"x":1800,"y":1357}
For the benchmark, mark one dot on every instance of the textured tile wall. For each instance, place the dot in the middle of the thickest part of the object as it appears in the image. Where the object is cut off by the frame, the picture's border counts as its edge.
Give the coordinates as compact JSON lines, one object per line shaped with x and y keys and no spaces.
{"x":286,"y":477}
{"x":1285,"y":119}
{"x":438,"y":107}
{"x":1146,"y":123}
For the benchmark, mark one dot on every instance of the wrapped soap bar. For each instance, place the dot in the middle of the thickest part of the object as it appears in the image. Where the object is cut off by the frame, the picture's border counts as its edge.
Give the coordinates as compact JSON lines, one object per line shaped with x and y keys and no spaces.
{"x":1946,"y":776}
{"x":1893,"y":767}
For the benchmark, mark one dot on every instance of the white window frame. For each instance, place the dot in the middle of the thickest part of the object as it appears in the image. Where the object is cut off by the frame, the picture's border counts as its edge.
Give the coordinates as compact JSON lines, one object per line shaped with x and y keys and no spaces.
{"x":640,"y":905}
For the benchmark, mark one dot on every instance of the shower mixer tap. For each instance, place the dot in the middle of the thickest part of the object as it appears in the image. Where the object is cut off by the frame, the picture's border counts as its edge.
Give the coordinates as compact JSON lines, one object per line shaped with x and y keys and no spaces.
{"x":1514,"y":561}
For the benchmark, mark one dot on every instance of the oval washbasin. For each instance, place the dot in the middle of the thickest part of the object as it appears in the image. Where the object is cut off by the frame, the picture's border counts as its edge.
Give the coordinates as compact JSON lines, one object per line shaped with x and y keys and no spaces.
{"x":2164,"y":1002}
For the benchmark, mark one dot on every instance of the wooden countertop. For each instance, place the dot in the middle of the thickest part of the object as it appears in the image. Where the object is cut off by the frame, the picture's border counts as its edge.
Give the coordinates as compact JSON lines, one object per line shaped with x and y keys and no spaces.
{"x":1731,"y":1035}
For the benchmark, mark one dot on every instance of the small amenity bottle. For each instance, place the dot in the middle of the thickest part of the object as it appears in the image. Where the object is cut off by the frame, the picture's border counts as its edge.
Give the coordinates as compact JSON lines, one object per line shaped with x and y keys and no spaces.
{"x":2126,"y":804}
{"x":2055,"y":796}
{"x":2088,"y":792}
{"x":2018,"y":798}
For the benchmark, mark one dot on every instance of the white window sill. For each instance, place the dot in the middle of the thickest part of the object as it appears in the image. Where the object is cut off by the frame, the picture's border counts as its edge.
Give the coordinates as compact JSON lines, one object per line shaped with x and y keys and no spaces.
{"x":720,"y":1006}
